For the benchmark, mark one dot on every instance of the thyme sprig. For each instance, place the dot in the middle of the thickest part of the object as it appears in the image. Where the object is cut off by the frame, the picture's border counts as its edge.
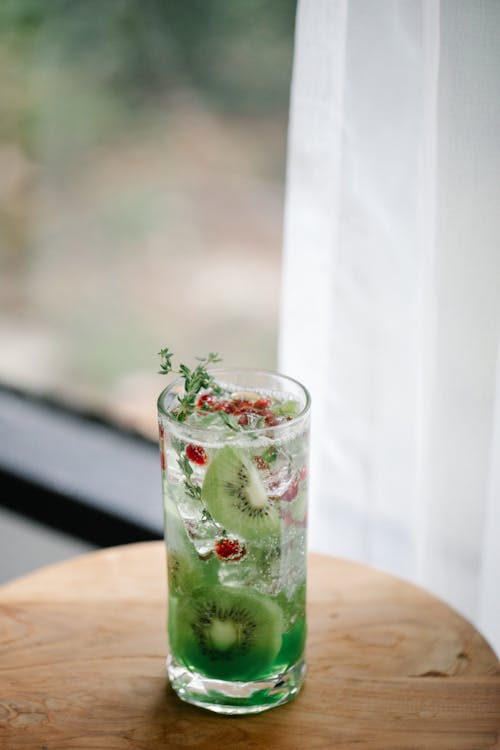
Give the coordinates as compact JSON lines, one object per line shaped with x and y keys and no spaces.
{"x":229,"y":421}
{"x":195,"y":380}
{"x":192,"y":489}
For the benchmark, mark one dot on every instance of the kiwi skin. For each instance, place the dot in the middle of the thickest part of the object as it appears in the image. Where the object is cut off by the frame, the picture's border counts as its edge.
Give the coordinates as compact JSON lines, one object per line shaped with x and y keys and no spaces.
{"x":227,"y":632}
{"x":236,"y":498}
{"x":186,"y":570}
{"x":186,"y":573}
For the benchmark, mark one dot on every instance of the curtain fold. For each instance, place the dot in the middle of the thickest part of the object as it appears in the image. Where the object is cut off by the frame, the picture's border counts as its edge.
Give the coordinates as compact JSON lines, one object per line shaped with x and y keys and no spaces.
{"x":391,"y":287}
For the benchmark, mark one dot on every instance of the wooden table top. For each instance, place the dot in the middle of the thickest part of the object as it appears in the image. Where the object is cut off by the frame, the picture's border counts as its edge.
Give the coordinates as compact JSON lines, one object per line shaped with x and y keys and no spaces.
{"x":83,"y":645}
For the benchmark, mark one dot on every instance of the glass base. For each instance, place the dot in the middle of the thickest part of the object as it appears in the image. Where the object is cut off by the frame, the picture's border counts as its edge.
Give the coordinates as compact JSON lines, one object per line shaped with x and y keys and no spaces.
{"x":235,"y":698}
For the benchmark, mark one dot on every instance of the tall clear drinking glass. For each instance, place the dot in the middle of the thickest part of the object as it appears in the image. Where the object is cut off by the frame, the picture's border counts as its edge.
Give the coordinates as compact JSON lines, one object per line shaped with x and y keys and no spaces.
{"x":235,"y":510}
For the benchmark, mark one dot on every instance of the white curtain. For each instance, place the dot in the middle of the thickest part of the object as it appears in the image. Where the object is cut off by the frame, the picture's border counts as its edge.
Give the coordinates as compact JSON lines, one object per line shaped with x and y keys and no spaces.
{"x":391,"y":287}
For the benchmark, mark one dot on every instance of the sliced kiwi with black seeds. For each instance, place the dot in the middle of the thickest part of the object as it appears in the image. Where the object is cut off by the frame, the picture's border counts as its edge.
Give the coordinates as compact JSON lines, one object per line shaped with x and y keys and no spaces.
{"x":236,"y":498}
{"x":228,"y":632}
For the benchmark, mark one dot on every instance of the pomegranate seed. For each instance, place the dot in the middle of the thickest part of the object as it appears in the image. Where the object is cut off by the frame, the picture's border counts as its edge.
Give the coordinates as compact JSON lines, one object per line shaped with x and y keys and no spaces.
{"x":291,"y":493}
{"x":240,"y":407}
{"x":303,"y":473}
{"x":163,"y":460}
{"x":229,"y":549}
{"x":243,"y":420}
{"x":260,"y":463}
{"x":206,"y":402}
{"x":271,"y":420}
{"x":225,"y":406}
{"x":196,"y":454}
{"x":261,"y":403}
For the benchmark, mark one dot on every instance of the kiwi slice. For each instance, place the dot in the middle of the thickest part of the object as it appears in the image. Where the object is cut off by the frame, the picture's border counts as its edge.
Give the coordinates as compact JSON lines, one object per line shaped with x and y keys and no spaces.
{"x":236,"y":498}
{"x":183,"y":574}
{"x":228,"y":632}
{"x":187,"y":573}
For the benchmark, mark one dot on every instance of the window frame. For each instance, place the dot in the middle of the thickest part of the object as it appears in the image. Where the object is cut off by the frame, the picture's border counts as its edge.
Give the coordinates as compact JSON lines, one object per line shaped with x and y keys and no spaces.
{"x":77,"y":472}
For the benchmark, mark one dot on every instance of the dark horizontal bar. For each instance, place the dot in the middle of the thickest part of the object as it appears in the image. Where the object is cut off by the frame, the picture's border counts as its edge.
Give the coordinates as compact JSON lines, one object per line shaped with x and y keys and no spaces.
{"x":69,"y":515}
{"x":77,"y":473}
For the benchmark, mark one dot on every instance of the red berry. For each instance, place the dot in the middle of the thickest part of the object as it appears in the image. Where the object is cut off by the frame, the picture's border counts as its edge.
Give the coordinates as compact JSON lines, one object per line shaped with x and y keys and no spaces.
{"x":206,"y":402}
{"x":261,"y":403}
{"x":270,"y":419}
{"x":163,"y":460}
{"x":229,"y":549}
{"x":241,"y":406}
{"x":196,"y":454}
{"x":260,"y":463}
{"x":291,"y":493}
{"x":225,"y":406}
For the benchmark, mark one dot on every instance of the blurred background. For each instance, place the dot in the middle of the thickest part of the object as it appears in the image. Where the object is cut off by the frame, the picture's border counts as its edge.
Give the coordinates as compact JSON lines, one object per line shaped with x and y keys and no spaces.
{"x":142,"y":160}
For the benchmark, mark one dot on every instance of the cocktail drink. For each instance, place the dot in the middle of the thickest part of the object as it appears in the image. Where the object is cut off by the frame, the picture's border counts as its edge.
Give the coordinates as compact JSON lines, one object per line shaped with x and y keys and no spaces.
{"x":234,"y":466}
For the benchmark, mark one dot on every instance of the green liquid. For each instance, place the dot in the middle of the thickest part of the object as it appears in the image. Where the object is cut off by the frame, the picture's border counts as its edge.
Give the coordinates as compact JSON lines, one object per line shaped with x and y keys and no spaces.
{"x":236,"y":664}
{"x":204,"y":592}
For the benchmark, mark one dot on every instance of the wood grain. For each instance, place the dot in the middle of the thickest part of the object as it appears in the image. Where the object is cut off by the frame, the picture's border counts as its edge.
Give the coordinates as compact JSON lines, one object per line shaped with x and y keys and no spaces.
{"x":82,"y":649}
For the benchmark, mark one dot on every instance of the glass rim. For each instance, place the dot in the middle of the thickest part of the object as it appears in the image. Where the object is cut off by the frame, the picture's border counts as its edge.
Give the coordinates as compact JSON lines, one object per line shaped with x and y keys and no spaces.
{"x":204,"y":430}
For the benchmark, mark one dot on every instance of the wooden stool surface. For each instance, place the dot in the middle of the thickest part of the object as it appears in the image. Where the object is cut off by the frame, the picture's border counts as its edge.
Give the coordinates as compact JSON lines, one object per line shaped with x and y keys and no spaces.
{"x":82,"y":665}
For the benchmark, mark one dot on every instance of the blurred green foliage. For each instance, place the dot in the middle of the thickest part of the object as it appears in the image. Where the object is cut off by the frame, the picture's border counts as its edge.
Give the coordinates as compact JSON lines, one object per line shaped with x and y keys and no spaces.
{"x":238,"y":53}
{"x":136,"y":136}
{"x":76,"y":73}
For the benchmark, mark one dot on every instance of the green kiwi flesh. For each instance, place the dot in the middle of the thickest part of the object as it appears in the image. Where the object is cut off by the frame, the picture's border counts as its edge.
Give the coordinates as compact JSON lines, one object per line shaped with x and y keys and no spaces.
{"x":228,"y":632}
{"x":236,"y":498}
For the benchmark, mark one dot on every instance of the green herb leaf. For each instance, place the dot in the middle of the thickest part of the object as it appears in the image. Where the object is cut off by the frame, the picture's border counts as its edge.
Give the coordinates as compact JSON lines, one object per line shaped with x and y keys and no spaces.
{"x":286,"y":409}
{"x":166,"y":363}
{"x":177,"y":445}
{"x":185,"y":466}
{"x":210,"y":419}
{"x":192,"y":489}
{"x":270,"y":454}
{"x":194,"y":380}
{"x":229,"y":421}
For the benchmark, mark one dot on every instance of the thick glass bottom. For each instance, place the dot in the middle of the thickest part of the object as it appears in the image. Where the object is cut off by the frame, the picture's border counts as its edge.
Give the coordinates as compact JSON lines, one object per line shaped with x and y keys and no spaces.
{"x":235,"y":698}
